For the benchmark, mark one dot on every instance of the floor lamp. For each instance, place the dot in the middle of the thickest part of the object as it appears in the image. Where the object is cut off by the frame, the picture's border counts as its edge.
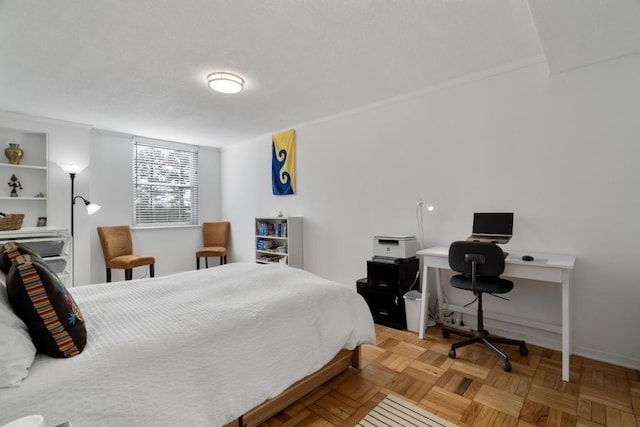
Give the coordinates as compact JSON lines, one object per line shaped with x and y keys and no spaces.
{"x":73,"y":169}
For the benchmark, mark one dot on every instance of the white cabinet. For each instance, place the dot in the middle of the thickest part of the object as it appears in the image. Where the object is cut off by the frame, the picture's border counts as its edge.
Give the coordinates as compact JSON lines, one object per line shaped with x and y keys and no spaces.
{"x":279,"y":240}
{"x":52,"y":243}
{"x":31,"y":173}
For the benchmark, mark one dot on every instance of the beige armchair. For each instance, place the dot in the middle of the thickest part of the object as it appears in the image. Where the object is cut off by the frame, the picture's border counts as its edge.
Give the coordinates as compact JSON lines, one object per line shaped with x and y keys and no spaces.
{"x":215,"y":237}
{"x":117,"y":248}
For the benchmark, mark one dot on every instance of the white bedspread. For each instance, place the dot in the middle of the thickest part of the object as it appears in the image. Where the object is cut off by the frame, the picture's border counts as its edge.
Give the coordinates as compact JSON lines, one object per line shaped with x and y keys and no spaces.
{"x":197,"y":348}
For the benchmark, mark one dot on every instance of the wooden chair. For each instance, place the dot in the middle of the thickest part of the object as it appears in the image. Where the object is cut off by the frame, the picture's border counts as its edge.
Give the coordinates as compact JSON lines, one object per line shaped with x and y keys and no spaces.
{"x":215,"y":236}
{"x":117,"y":248}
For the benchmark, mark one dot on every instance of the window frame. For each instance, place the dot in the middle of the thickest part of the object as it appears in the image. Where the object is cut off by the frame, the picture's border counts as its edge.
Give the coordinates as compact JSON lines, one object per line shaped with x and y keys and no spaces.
{"x":181,"y":155}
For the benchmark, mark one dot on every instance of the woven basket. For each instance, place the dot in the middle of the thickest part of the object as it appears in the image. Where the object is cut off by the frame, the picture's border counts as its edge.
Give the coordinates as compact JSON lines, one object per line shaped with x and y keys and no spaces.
{"x":11,"y":222}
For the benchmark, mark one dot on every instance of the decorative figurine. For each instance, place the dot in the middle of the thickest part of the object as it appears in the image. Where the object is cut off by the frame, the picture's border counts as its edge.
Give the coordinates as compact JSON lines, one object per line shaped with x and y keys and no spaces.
{"x":14,"y":183}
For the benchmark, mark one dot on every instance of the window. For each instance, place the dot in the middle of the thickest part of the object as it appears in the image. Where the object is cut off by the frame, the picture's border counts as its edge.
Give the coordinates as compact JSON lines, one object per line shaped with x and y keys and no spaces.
{"x":165,"y":184}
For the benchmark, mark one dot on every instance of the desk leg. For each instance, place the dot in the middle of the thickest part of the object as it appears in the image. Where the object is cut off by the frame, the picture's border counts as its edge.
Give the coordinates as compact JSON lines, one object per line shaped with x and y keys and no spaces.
{"x":423,"y":302}
{"x":566,"y":323}
{"x":440,"y":295}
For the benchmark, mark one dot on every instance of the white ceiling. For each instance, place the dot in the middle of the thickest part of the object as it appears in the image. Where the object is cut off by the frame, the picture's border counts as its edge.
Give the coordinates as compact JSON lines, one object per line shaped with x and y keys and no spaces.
{"x":140,"y":66}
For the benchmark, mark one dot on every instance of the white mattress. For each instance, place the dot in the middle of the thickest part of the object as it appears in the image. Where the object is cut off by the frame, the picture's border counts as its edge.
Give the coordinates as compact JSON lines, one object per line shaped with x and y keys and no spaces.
{"x":197,"y":348}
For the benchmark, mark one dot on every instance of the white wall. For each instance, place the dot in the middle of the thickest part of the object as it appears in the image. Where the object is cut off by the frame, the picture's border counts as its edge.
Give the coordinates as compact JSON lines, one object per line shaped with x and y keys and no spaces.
{"x":111,"y":178}
{"x":559,"y":151}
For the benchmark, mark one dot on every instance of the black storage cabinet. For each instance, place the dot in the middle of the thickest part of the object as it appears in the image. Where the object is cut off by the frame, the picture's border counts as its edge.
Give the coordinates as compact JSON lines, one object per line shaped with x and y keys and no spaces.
{"x":384,"y":287}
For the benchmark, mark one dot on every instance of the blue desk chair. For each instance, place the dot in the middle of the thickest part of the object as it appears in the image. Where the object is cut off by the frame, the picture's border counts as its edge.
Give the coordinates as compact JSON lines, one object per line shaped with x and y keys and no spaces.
{"x":480,"y":265}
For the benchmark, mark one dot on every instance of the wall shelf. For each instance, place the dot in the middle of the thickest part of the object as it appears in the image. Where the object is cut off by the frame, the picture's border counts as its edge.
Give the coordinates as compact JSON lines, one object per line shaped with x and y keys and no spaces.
{"x":23,"y":198}
{"x":32,"y":172}
{"x":10,"y":165}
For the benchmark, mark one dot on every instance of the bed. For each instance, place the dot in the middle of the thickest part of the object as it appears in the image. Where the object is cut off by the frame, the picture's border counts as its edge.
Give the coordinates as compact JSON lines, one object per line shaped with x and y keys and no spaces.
{"x":227,"y":345}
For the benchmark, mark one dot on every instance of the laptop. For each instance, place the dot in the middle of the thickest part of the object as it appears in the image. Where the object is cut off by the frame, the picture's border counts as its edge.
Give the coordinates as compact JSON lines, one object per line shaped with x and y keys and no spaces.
{"x":494,"y":227}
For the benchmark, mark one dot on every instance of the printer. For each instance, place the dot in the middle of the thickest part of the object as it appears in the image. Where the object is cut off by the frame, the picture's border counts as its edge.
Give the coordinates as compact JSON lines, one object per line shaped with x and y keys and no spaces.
{"x":394,"y":247}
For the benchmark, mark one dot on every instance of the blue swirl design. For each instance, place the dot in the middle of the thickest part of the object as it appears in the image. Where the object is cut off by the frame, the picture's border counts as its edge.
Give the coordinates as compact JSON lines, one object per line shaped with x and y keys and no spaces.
{"x":280,"y":177}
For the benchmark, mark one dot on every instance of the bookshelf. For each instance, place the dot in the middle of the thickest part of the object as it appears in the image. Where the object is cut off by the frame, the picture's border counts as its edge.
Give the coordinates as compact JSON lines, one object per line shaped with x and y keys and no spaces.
{"x":279,"y":241}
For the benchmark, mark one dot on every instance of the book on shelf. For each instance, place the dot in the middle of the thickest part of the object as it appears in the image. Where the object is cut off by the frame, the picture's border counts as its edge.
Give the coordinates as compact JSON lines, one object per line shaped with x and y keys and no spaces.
{"x":262,"y":245}
{"x":275,"y":229}
{"x":272,"y":258}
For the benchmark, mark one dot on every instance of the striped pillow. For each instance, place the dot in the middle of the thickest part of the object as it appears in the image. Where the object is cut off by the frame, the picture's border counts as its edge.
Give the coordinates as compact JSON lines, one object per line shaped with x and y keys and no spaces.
{"x":52,"y":316}
{"x":13,"y":249}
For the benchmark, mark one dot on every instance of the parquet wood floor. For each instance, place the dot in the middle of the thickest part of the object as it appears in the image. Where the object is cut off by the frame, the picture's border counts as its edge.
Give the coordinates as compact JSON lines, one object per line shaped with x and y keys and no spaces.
{"x":472,"y":390}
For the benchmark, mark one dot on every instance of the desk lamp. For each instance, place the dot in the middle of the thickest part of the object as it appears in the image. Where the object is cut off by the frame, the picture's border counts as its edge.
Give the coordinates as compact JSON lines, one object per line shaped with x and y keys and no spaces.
{"x":420,"y":219}
{"x":420,"y":207}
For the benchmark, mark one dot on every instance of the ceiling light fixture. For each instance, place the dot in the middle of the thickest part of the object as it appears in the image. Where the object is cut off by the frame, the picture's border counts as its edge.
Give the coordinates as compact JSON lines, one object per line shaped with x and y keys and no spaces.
{"x":225,"y":82}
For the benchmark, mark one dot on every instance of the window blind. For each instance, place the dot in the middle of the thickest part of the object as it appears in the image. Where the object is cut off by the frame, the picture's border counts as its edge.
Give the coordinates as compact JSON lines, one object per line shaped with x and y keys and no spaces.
{"x":165,"y":184}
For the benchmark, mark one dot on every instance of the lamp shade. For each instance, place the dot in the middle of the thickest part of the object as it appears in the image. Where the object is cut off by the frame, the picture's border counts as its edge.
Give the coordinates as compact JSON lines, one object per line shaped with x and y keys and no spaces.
{"x":225,"y":82}
{"x":73,"y":167}
{"x":93,"y":208}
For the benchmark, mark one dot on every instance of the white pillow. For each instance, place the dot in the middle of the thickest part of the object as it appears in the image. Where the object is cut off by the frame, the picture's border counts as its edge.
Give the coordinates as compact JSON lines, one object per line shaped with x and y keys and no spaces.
{"x":16,"y":348}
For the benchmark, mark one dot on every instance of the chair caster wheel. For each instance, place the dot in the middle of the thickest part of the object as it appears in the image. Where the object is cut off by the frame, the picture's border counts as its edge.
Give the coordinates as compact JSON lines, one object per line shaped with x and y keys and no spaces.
{"x":452,"y":353}
{"x":506,"y":366}
{"x":445,"y":333}
{"x":524,"y":350}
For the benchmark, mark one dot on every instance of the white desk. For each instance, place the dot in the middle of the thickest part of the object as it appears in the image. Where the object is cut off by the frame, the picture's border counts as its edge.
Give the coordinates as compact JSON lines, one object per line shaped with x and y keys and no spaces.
{"x":545,"y":267}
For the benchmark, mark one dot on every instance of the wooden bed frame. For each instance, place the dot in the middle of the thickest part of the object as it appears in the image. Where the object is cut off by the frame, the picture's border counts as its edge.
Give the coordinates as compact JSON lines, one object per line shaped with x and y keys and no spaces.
{"x":342,"y":361}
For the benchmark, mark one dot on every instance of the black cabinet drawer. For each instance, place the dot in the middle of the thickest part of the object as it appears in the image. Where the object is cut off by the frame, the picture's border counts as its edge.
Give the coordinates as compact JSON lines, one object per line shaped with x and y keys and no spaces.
{"x":387,"y":309}
{"x":395,"y":278}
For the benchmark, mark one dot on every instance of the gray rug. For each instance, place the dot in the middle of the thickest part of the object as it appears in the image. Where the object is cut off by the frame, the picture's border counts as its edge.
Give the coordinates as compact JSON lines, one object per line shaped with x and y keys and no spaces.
{"x":396,"y":412}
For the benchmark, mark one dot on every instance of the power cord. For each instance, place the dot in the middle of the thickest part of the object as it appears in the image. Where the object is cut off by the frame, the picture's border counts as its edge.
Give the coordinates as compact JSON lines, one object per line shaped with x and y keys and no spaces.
{"x":146,"y":271}
{"x":415,"y":280}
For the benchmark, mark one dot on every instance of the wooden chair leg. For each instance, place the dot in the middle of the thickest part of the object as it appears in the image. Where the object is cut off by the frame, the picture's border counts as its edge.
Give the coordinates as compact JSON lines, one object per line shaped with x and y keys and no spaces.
{"x":206,"y":262}
{"x":197,"y":263}
{"x":108,"y":274}
{"x":128,"y":273}
{"x":152,"y":270}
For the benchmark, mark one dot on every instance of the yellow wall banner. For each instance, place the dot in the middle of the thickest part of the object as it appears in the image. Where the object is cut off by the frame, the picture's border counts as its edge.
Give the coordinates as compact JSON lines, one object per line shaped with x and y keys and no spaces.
{"x":283,"y":163}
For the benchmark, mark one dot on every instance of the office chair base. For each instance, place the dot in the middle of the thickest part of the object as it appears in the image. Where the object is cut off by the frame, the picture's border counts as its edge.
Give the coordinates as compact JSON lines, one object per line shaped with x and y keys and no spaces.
{"x":483,"y":337}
